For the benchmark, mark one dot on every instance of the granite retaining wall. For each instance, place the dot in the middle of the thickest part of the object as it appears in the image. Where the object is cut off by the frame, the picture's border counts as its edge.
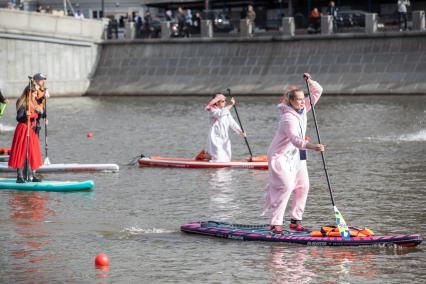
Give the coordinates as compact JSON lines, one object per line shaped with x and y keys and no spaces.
{"x":65,"y":49}
{"x":391,"y":63}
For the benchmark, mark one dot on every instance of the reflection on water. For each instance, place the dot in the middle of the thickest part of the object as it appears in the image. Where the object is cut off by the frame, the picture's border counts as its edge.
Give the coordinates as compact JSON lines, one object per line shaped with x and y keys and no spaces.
{"x":347,"y":262}
{"x":222,"y":199}
{"x":295,"y":264}
{"x":29,"y":211}
{"x":102,"y":271}
{"x":288,"y":265}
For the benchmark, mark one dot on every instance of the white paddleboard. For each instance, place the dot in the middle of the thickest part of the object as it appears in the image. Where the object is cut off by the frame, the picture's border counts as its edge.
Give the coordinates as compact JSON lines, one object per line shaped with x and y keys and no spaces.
{"x":75,"y":167}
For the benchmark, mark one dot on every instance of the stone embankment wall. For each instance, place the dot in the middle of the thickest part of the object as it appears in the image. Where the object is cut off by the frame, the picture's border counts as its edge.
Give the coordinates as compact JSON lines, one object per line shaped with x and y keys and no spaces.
{"x":383,"y":63}
{"x":71,"y":53}
{"x":65,"y":49}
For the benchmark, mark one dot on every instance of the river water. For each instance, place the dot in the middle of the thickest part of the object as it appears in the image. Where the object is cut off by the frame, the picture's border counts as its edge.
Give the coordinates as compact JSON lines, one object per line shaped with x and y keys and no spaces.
{"x":376,"y":155}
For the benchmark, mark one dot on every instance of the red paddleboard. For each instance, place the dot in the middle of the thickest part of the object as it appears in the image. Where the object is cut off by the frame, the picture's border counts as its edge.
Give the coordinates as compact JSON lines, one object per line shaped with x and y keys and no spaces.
{"x":258,"y":163}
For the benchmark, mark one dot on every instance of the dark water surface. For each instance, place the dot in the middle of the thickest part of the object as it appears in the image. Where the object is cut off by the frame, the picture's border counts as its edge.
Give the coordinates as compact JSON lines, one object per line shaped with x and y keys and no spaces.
{"x":377,"y":163}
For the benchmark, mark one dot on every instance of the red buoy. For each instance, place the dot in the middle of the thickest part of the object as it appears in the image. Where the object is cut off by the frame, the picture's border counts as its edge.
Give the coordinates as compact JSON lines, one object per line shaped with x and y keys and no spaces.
{"x":90,"y":135}
{"x":102,"y":260}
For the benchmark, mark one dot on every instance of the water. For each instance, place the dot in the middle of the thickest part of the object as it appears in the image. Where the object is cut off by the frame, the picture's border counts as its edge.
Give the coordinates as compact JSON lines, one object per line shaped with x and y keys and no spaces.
{"x":376,"y":152}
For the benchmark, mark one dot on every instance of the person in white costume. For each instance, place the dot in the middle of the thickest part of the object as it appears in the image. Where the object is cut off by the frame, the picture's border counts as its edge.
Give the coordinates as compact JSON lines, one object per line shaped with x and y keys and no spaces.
{"x":220,"y":119}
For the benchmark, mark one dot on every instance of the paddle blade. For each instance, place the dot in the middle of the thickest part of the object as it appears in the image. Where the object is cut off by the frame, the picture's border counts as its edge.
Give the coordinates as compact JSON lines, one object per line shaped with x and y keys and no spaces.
{"x":341,"y":224}
{"x":46,"y":161}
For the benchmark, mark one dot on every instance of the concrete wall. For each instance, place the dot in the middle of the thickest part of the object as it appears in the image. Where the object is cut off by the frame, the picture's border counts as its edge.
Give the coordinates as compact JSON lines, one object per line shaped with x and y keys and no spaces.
{"x":67,"y":50}
{"x":344,"y":64}
{"x":63,"y":48}
{"x":46,"y":25}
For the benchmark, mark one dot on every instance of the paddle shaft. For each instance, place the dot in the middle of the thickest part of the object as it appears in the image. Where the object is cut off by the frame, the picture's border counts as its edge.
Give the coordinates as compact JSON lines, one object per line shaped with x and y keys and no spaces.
{"x":27,"y":164}
{"x":319,"y":141}
{"x":242,"y":129}
{"x":45,"y":126}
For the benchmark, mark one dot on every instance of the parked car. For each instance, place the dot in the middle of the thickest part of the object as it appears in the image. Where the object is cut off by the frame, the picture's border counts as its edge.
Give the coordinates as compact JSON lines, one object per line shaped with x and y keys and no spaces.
{"x":351,"y":18}
{"x":221,"y":22}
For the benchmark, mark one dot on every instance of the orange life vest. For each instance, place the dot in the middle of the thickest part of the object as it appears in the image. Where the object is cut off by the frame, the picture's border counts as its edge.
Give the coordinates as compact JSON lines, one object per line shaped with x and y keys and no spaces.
{"x":40,"y":96}
{"x":333,"y":231}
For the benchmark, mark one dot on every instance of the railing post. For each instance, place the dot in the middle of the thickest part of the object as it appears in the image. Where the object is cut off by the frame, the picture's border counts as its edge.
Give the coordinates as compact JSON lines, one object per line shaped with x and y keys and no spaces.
{"x":326,"y":25}
{"x":419,"y":20}
{"x":31,"y":5}
{"x":206,"y":28}
{"x":371,"y":23}
{"x":165,"y":29}
{"x":246,"y":28}
{"x":288,"y":26}
{"x":130,"y":30}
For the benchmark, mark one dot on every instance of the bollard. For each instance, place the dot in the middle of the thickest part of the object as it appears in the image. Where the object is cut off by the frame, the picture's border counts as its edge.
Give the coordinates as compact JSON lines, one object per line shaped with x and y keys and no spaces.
{"x":206,"y":28}
{"x":419,"y":21}
{"x":29,"y":5}
{"x":165,"y":30}
{"x":370,"y":23}
{"x":130,"y":30}
{"x":288,"y":26}
{"x":246,"y":28}
{"x":326,"y":25}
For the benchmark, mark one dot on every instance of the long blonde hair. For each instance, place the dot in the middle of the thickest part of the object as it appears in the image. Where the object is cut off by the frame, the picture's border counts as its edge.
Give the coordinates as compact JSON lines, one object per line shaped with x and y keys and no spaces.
{"x":22,"y":100}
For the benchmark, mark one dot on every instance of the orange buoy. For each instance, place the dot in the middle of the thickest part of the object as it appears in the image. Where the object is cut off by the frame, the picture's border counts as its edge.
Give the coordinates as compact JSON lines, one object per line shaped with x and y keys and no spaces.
{"x":89,"y":135}
{"x":102,"y":260}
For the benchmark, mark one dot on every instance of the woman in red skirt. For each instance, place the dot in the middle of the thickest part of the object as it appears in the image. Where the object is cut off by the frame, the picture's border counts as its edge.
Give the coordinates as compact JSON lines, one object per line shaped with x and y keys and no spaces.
{"x":27,"y":108}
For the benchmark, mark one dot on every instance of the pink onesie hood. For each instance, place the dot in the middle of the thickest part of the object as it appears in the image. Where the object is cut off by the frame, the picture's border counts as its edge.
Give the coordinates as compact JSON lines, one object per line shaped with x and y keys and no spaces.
{"x":284,"y":108}
{"x":211,"y":104}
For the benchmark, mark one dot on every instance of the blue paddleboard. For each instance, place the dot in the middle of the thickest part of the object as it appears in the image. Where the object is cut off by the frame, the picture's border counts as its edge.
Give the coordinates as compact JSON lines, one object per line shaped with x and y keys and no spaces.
{"x":47,"y":185}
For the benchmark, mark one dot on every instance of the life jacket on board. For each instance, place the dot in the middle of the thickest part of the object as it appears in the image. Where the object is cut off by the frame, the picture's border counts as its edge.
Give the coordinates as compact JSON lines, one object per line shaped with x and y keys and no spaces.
{"x":333,"y":231}
{"x":261,"y":158}
{"x":4,"y":151}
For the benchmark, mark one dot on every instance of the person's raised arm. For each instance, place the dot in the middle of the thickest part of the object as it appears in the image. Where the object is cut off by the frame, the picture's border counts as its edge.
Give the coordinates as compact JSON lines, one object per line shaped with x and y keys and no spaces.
{"x":316,"y":91}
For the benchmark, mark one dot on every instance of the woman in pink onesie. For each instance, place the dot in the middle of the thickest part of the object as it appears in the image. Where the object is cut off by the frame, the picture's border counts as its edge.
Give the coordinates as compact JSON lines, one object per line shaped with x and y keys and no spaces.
{"x":287,"y":158}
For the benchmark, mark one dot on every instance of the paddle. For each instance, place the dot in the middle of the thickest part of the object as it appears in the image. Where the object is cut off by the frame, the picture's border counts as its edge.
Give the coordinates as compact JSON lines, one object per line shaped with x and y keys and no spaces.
{"x":46,"y":160}
{"x":239,"y":121}
{"x":27,"y":162}
{"x":341,"y":224}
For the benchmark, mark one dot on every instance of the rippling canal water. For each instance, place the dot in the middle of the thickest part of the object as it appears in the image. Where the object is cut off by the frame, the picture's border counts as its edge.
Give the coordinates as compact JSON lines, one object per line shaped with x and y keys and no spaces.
{"x":377,"y":163}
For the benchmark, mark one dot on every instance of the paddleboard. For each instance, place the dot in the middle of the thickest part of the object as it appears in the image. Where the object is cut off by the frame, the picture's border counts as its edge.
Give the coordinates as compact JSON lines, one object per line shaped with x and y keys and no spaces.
{"x":4,"y":158}
{"x":75,"y":167}
{"x":157,"y":161}
{"x":2,"y":109}
{"x":263,"y":233}
{"x":47,"y":185}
